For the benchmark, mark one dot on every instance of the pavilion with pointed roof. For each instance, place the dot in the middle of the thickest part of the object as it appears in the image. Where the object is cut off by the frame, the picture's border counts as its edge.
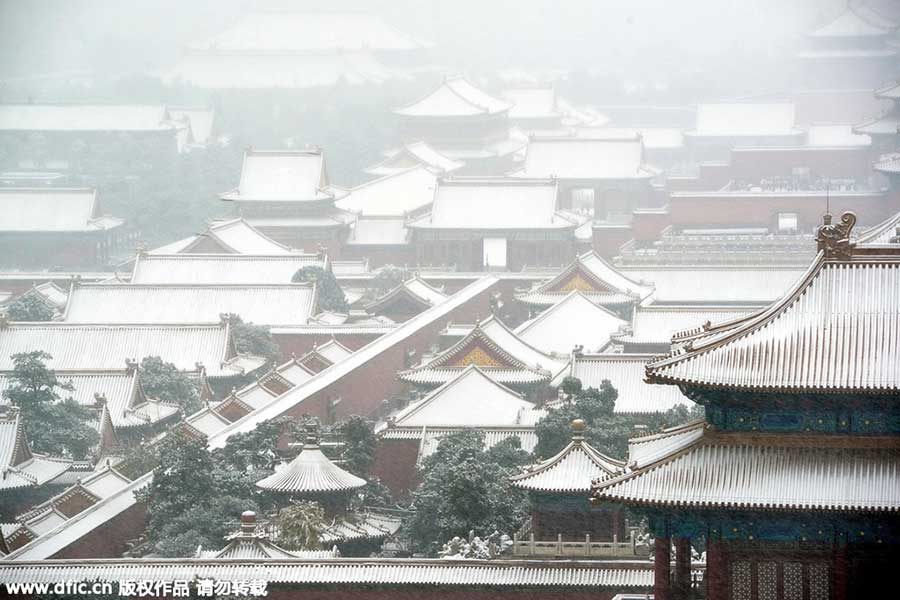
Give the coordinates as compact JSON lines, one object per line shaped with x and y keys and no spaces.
{"x":596,"y":279}
{"x":495,"y":350}
{"x":463,"y":123}
{"x":406,"y":300}
{"x":793,"y":479}
{"x":559,"y":486}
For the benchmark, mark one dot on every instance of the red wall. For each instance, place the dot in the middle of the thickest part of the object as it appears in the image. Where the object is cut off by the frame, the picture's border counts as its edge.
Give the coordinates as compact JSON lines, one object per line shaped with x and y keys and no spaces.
{"x":299,"y":344}
{"x":395,"y":465}
{"x":108,"y":540}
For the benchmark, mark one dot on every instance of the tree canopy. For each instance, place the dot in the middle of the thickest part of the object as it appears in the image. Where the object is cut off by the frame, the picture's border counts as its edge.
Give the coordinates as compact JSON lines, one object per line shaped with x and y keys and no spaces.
{"x":331,"y":296}
{"x":30,"y":307}
{"x":253,"y":339}
{"x":465,"y":488}
{"x":163,"y":381}
{"x":54,"y":425}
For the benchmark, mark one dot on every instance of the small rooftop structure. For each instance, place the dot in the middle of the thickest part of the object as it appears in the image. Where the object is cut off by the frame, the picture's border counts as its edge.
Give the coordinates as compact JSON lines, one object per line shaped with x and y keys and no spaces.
{"x":412,"y":295}
{"x":455,"y":97}
{"x":53,"y":210}
{"x":573,"y":321}
{"x":311,"y":473}
{"x":232,"y":236}
{"x":571,"y":470}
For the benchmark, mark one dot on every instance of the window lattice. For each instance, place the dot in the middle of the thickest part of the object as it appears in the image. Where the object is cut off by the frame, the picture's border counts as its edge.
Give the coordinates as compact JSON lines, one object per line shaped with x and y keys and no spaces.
{"x":740,"y":580}
{"x":793,"y":580}
{"x":767,"y":580}
{"x":818,"y":582}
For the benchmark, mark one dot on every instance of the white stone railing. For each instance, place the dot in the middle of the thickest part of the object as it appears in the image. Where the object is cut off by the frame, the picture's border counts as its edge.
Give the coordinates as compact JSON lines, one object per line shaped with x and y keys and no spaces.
{"x":587,"y":548}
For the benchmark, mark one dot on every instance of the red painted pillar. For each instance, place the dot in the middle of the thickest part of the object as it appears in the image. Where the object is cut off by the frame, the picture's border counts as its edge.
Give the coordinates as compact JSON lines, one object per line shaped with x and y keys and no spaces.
{"x":662,"y":589}
{"x":682,"y":568}
{"x":841,"y":572}
{"x":716,"y":572}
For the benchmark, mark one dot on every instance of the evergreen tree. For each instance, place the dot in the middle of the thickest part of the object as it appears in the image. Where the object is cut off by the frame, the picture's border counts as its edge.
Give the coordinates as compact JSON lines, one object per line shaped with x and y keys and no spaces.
{"x":299,"y":525}
{"x":30,"y":307}
{"x":163,"y":381}
{"x":253,"y":339}
{"x":331,"y":297}
{"x":359,"y":445}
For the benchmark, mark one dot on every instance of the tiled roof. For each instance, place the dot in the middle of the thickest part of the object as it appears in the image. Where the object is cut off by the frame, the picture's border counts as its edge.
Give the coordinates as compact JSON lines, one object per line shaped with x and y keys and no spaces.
{"x":889,"y":91}
{"x":888,"y":124}
{"x":248,"y":543}
{"x":553,"y":332}
{"x":885,"y":231}
{"x":206,"y":269}
{"x":585,"y":158}
{"x":395,"y":194}
{"x":283,"y":176}
{"x":471,"y":399}
{"x":416,"y":154}
{"x":496,"y":350}
{"x":285,"y":304}
{"x":766,"y":471}
{"x":716,"y":285}
{"x":888,"y":164}
{"x":570,"y":471}
{"x":430,"y":437}
{"x":414,"y":289}
{"x":19,"y":467}
{"x":590,"y":274}
{"x":282,"y":32}
{"x":334,"y":351}
{"x":52,"y":293}
{"x":234,"y":236}
{"x":835,"y":331}
{"x":311,"y":472}
{"x":493,"y":203}
{"x":77,"y":347}
{"x":655,"y":325}
{"x":626,"y":374}
{"x":57,"y":210}
{"x":455,"y":97}
{"x":360,"y":526}
{"x":742,"y":119}
{"x":344,"y":571}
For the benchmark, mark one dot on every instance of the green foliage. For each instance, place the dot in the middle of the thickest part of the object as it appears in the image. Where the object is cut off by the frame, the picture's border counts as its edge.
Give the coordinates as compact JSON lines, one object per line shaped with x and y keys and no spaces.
{"x":163,"y":381}
{"x":387,"y":278}
{"x":256,"y":450}
{"x":359,"y":445}
{"x":192,"y":501}
{"x":53,"y":426}
{"x":30,"y":307}
{"x":253,"y":339}
{"x":464,"y":489}
{"x":331,"y":296}
{"x":571,"y":386}
{"x":299,"y":526}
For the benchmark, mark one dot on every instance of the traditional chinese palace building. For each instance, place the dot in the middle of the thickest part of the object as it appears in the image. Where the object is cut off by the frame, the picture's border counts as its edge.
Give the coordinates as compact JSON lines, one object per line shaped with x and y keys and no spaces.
{"x":793,"y":479}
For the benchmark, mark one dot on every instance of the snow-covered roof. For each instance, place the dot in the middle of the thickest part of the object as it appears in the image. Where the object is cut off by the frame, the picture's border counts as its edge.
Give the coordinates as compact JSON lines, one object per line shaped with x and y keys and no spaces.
{"x":413,"y":289}
{"x":585,"y":158}
{"x":655,"y":324}
{"x":889,"y":91}
{"x":415,"y":154}
{"x":210,"y":269}
{"x":18,"y":465}
{"x":884,"y":232}
{"x":745,"y":119}
{"x":471,"y":399}
{"x":89,"y":347}
{"x":232,"y":236}
{"x":395,"y":195}
{"x":888,"y":125}
{"x":835,"y":136}
{"x":283,"y":176}
{"x":553,"y":332}
{"x":493,"y":203}
{"x":715,"y":285}
{"x":285,"y":304}
{"x":378,"y":231}
{"x":311,"y":472}
{"x":532,"y":103}
{"x":654,"y":138}
{"x":56,"y":210}
{"x":625,"y":373}
{"x":455,"y":97}
{"x":309,"y":32}
{"x":850,"y":24}
{"x":227,"y":71}
{"x":85,"y":117}
{"x":571,"y":470}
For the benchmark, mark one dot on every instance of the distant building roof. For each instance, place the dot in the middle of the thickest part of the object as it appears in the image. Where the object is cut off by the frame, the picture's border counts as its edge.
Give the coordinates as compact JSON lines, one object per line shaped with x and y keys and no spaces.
{"x":532,"y":103}
{"x":310,"y":473}
{"x":851,"y":24}
{"x":232,"y":236}
{"x":889,"y":91}
{"x":820,"y":135}
{"x":626,"y":374}
{"x":212,"y":269}
{"x":590,"y":274}
{"x":396,"y":194}
{"x":571,"y":470}
{"x":88,"y":347}
{"x":414,"y":291}
{"x":552,"y":331}
{"x":493,"y":204}
{"x":52,"y":210}
{"x":715,"y":285}
{"x":455,"y":97}
{"x":888,"y":124}
{"x":496,"y":350}
{"x":416,"y":154}
{"x":304,"y":32}
{"x":585,"y":158}
{"x":378,"y":231}
{"x":889,"y":164}
{"x":745,"y":119}
{"x":886,"y":232}
{"x":283,"y":176}
{"x":85,"y":118}
{"x":654,"y":138}
{"x":286,"y":304}
{"x":766,"y":352}
{"x":655,"y":324}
